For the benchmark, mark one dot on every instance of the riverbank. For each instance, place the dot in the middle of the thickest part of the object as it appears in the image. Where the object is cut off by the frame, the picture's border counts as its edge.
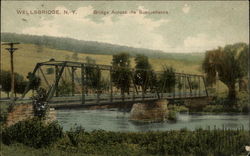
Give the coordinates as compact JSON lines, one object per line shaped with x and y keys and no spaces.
{"x":77,"y":141}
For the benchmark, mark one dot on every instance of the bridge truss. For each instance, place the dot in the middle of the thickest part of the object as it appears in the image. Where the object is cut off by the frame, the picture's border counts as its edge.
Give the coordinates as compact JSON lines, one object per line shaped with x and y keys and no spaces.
{"x":78,"y":89}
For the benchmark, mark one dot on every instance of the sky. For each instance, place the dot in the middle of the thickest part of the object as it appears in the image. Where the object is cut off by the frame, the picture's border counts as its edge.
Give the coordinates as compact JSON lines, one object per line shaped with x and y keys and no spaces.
{"x":186,"y":26}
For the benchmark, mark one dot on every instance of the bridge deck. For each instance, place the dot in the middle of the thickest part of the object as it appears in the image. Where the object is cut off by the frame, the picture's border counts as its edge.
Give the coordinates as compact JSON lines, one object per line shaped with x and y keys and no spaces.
{"x":92,"y":100}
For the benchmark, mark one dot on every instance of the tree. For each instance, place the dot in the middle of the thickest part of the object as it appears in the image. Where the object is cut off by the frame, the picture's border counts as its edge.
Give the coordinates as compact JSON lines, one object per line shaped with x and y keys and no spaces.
{"x":34,"y":81}
{"x":144,"y":75}
{"x":93,"y":74}
{"x":228,"y":63}
{"x":121,"y":75}
{"x":6,"y":81}
{"x":20,"y":87}
{"x":20,"y":83}
{"x":64,"y":88}
{"x":167,"y":79}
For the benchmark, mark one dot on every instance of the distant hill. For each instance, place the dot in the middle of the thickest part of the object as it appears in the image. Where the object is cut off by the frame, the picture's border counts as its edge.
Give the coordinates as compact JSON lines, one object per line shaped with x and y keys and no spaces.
{"x":92,"y":47}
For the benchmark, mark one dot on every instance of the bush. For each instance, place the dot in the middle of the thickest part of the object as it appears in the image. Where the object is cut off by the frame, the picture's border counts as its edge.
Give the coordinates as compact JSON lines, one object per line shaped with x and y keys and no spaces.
{"x":172,"y":115}
{"x":33,"y":133}
{"x":214,"y":108}
{"x":178,"y":108}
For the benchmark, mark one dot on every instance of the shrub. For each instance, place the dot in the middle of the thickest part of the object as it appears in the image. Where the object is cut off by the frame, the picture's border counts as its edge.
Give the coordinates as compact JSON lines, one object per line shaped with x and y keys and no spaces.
{"x":214,"y":108}
{"x":172,"y":115}
{"x":178,"y":108}
{"x":33,"y":132}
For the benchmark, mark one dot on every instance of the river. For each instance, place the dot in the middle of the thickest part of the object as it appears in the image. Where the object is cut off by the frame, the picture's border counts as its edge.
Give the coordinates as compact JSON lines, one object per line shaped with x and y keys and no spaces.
{"x":115,"y":120}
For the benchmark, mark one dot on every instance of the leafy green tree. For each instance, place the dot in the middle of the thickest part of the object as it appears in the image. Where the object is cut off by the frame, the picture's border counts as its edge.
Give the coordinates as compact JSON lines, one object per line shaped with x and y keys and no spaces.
{"x":20,"y":83}
{"x":34,"y":81}
{"x":20,"y":88}
{"x":144,"y":76}
{"x":93,"y":74}
{"x":167,"y":79}
{"x":229,"y":63}
{"x":121,"y":75}
{"x":64,"y":88}
{"x":6,"y":81}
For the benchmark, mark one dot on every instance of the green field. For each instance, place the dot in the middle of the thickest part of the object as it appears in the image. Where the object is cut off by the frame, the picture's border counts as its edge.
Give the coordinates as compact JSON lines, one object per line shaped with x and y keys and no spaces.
{"x":27,"y":55}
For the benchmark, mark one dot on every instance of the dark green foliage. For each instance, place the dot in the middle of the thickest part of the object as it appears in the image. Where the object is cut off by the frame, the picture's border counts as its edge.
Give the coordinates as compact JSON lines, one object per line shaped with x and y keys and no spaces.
{"x":64,"y":88}
{"x":121,"y":75}
{"x":144,"y":75}
{"x":221,"y":105}
{"x":93,"y":75}
{"x":6,"y":81}
{"x":173,"y":143}
{"x":198,"y":143}
{"x":172,"y":115}
{"x":33,"y":133}
{"x":167,"y":79}
{"x":229,"y":64}
{"x":20,"y":88}
{"x":50,"y":71}
{"x":194,"y":85}
{"x":20,"y":83}
{"x":3,"y":117}
{"x":34,"y":81}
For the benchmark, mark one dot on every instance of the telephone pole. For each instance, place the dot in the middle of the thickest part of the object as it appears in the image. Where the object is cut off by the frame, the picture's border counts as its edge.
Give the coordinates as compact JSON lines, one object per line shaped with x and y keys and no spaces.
{"x":11,"y":50}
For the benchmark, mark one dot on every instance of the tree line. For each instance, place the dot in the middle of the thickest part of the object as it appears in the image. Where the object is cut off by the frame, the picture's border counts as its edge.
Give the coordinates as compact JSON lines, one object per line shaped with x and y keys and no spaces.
{"x":229,"y":64}
{"x":93,"y":47}
{"x":20,"y":82}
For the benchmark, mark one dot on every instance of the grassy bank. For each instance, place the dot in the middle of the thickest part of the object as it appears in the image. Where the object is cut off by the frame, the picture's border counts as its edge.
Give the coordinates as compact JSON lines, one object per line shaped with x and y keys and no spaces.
{"x":34,"y":138}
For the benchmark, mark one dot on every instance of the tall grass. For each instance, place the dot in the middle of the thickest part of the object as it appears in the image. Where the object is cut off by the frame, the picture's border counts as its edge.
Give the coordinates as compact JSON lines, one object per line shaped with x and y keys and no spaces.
{"x":201,"y":142}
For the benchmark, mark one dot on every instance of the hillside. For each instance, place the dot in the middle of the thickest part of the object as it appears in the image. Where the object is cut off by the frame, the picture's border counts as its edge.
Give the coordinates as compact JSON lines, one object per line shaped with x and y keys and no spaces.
{"x":92,"y":47}
{"x":27,"y":55}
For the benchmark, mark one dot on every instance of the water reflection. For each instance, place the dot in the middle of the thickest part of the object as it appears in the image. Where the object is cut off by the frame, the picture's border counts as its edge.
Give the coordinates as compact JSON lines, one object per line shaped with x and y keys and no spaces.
{"x":116,"y":120}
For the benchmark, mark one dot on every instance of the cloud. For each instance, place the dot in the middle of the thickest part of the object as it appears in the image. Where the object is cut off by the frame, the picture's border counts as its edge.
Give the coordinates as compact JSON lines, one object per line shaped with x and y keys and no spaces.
{"x":131,"y":30}
{"x":201,"y":42}
{"x":186,"y":9}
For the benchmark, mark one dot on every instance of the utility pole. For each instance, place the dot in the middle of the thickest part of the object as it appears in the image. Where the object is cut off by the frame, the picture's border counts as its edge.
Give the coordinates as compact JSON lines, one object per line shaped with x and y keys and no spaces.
{"x":11,"y":50}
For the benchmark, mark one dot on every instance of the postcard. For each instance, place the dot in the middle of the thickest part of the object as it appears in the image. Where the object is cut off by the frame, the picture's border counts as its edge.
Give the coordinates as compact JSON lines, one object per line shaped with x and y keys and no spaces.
{"x":124,"y":78}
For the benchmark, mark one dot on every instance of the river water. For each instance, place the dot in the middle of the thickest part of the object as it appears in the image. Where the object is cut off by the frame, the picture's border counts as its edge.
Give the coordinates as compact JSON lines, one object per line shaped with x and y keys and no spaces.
{"x":115,"y":120}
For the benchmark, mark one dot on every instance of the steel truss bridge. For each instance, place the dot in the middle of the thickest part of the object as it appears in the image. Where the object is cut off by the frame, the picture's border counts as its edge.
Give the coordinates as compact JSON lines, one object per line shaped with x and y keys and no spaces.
{"x":80,"y":92}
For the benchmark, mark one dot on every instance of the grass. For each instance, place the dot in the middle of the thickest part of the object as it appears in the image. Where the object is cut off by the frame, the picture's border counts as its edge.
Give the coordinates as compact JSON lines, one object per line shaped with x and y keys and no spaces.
{"x":23,"y":150}
{"x":26,"y":57}
{"x":77,"y":141}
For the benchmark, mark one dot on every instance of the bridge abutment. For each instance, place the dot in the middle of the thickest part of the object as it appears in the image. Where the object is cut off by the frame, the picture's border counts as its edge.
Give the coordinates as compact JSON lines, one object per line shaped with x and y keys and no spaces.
{"x":25,"y":111}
